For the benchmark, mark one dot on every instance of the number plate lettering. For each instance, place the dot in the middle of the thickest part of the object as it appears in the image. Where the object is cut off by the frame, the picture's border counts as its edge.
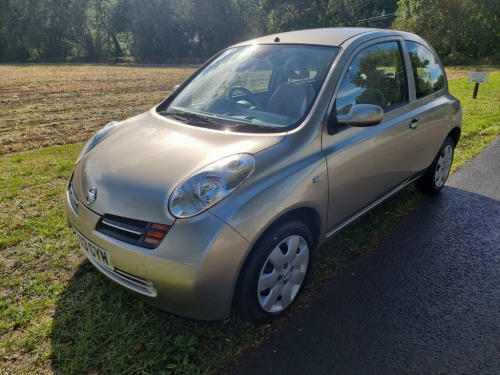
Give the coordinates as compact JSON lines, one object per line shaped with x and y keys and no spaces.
{"x":93,"y":251}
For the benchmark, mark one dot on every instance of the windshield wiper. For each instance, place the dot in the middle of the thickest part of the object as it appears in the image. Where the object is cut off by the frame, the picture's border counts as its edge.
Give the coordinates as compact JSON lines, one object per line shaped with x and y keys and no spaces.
{"x":190,"y":117}
{"x":208,"y":122}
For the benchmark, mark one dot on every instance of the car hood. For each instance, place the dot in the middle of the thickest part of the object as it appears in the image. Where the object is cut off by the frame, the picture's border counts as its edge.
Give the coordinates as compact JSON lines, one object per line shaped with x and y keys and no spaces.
{"x":135,"y":168}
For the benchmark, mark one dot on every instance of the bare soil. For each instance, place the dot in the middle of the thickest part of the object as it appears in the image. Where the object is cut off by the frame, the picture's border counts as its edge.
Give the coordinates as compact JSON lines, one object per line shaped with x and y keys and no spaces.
{"x":452,"y":74}
{"x":460,"y":72}
{"x":44,"y":105}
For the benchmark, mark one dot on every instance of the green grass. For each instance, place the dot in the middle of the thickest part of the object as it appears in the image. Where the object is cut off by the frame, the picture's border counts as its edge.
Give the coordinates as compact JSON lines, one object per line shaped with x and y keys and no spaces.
{"x":481,"y":116}
{"x":58,"y":315}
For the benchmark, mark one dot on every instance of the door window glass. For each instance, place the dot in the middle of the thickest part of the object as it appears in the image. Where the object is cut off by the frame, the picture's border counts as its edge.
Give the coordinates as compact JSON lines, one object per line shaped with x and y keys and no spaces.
{"x":376,"y":76}
{"x":427,"y":72}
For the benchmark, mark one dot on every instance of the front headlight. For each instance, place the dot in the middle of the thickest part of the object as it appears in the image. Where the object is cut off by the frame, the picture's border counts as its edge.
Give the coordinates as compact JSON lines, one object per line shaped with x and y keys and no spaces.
{"x":97,"y":137}
{"x":210,"y":185}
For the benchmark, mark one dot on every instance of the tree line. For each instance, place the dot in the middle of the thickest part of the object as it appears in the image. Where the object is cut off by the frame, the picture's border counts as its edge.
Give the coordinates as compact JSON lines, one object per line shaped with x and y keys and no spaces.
{"x":185,"y":31}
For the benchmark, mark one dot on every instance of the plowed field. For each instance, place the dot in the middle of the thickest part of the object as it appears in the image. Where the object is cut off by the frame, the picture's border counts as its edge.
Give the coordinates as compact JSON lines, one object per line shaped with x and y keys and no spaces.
{"x":43,"y":105}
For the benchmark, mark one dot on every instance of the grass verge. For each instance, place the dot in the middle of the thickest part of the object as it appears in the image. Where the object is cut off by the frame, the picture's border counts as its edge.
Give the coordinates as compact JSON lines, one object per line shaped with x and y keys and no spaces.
{"x":58,"y":315}
{"x":481,"y":116}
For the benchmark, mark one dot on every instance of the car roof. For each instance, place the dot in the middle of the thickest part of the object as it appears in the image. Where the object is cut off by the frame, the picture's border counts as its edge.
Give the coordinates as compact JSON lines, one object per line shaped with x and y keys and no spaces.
{"x":325,"y":37}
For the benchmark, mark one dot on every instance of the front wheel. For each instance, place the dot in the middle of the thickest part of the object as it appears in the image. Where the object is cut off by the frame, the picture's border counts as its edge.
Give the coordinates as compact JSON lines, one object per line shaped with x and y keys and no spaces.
{"x":435,"y":177}
{"x":274,"y":272}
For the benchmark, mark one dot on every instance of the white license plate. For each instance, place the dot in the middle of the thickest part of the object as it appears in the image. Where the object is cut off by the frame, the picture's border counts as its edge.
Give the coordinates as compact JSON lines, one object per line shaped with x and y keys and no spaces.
{"x":95,"y":252}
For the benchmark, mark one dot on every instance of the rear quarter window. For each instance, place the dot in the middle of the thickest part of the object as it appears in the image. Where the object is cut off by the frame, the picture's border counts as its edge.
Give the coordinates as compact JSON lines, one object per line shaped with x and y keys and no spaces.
{"x":427,"y":72}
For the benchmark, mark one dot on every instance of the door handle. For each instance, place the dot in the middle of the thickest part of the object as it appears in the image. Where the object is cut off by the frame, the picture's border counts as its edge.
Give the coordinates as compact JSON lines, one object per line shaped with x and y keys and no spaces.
{"x":415,"y":122}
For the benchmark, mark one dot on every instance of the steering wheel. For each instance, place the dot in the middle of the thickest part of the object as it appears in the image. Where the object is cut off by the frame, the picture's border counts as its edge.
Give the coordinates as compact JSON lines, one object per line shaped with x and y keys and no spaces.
{"x":250,"y":95}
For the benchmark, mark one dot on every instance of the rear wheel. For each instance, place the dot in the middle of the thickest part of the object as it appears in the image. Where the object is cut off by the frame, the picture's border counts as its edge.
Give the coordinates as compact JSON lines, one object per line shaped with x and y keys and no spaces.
{"x":435,"y":177}
{"x":275,"y":272}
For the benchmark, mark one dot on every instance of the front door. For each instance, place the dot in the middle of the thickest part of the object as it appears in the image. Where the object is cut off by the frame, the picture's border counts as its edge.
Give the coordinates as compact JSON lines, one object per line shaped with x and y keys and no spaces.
{"x":366,"y":163}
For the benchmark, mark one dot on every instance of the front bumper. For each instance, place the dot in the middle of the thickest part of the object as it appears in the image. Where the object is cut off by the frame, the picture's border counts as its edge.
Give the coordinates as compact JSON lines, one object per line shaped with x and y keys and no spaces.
{"x":192,"y":273}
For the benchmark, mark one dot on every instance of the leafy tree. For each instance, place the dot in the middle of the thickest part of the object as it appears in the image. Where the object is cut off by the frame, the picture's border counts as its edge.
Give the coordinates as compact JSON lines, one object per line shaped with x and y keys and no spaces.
{"x":215,"y":25}
{"x":296,"y":14}
{"x":190,"y":30}
{"x":12,"y":43}
{"x":481,"y":34}
{"x":458,"y":29}
{"x":36,"y":30}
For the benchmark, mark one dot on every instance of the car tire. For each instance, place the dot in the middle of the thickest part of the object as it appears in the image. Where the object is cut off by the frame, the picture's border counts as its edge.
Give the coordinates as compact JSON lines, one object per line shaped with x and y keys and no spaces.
{"x":434,"y":178}
{"x":275,"y":272}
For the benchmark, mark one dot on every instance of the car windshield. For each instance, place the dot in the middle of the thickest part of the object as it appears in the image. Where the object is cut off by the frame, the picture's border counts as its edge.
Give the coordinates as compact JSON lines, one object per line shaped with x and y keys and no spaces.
{"x":257,"y":88}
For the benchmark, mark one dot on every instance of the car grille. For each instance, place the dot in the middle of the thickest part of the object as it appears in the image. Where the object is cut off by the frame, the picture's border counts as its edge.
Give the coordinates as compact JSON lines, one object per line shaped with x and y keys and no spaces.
{"x":135,"y":232}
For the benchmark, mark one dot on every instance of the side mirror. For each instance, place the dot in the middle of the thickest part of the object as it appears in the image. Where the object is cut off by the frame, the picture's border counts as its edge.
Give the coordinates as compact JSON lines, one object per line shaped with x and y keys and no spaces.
{"x":361,"y":115}
{"x":175,"y":88}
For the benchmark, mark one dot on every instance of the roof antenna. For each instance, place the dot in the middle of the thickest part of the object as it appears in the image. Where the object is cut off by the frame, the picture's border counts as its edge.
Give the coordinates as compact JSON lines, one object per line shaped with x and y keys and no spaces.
{"x":277,"y":40}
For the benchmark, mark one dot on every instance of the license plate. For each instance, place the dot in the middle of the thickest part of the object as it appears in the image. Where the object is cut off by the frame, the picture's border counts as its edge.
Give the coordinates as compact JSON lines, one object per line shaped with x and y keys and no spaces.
{"x":95,"y":252}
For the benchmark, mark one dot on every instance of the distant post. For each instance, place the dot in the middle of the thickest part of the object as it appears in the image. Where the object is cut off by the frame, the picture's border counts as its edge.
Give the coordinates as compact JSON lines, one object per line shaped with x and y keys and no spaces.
{"x":477,"y":78}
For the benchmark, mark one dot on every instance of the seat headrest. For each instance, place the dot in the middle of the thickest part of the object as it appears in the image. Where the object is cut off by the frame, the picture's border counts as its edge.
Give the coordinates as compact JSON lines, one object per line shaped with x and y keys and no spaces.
{"x":296,"y":68}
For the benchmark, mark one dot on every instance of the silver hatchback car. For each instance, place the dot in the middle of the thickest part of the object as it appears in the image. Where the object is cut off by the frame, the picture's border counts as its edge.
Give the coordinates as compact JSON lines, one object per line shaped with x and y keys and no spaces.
{"x":214,"y":200}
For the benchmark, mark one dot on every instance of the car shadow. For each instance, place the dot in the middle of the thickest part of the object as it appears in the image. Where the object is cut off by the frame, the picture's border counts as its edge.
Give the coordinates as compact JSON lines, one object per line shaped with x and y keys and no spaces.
{"x":100,"y":328}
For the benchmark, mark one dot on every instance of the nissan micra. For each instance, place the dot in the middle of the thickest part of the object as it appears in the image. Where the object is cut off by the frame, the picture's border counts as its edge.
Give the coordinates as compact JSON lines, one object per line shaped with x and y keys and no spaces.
{"x":214,"y":200}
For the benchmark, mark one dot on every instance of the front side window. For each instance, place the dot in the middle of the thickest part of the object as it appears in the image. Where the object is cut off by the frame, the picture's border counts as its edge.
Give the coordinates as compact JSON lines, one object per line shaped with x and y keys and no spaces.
{"x":427,"y":72}
{"x":375,"y":76}
{"x":258,"y":88}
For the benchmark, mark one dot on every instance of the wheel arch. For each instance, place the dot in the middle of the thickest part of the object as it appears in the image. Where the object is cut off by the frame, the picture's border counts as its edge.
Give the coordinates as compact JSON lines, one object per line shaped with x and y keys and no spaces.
{"x":306,"y":215}
{"x":455,"y":135}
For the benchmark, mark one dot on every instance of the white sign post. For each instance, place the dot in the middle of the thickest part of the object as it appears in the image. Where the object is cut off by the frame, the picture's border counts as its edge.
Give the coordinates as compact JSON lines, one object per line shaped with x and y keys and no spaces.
{"x":477,"y":78}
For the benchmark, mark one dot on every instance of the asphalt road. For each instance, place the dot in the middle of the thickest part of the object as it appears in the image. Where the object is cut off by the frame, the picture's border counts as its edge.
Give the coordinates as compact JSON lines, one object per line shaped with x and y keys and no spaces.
{"x":426,"y":301}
